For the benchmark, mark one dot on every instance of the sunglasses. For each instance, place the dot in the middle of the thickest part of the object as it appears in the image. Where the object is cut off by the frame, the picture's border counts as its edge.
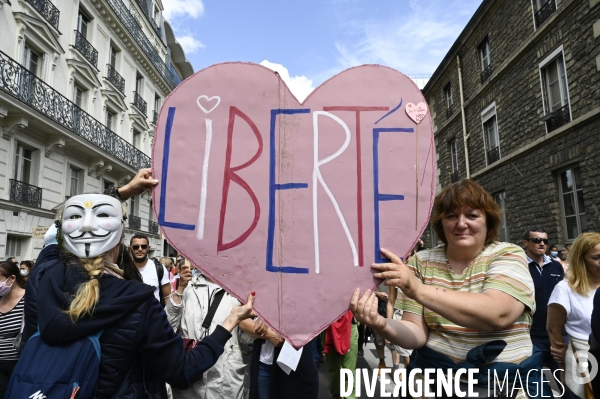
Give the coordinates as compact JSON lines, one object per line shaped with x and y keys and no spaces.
{"x":136,"y":247}
{"x":538,"y":240}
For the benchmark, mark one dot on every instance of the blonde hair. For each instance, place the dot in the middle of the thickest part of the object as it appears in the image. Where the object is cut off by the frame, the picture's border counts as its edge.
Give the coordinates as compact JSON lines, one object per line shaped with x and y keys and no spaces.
{"x":88,"y":293}
{"x":578,"y":273}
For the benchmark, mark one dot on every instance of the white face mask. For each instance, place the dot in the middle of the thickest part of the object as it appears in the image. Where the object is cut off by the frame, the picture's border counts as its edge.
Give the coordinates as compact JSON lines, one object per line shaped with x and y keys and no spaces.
{"x":24,"y":272}
{"x":92,"y":224}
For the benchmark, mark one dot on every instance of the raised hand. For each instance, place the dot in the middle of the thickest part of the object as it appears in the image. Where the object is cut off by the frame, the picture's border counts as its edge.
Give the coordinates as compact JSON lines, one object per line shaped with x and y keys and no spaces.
{"x":397,"y":274}
{"x":365,"y":309}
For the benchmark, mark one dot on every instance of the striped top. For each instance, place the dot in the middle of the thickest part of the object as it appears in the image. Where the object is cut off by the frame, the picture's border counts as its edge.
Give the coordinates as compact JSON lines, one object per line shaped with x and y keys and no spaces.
{"x":500,"y":266}
{"x":10,"y":326}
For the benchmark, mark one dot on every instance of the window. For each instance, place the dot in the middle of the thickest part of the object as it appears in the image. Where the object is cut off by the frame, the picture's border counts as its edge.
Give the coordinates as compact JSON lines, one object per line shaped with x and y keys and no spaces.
{"x":543,"y":10}
{"x":31,"y":60}
{"x":82,"y":23}
{"x":156,"y":103}
{"x":555,"y":91}
{"x":13,"y":246}
{"x":448,"y":96}
{"x":491,"y":137}
{"x":500,"y":199}
{"x":79,"y":96}
{"x":156,"y":14}
{"x":134,"y":205}
{"x":136,"y":139}
{"x":75,"y":180}
{"x":573,"y":208}
{"x":484,"y":54}
{"x":138,"y":84}
{"x":113,"y":57}
{"x":110,"y":120}
{"x":23,"y":164}
{"x":107,"y":185}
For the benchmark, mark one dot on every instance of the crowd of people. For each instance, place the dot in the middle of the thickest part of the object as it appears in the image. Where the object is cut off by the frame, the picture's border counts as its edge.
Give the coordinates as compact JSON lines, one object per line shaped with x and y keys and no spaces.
{"x":169,"y":331}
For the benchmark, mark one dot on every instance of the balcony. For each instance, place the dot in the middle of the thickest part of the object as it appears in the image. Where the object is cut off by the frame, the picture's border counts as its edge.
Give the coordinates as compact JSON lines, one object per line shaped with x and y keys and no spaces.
{"x":29,"y":89}
{"x":139,"y":103}
{"x":86,"y":49}
{"x":135,"y":222}
{"x":454,"y":177}
{"x":487,"y":72}
{"x":154,"y":117}
{"x":493,"y":155}
{"x":449,"y":112}
{"x":46,"y":10}
{"x":25,"y":194}
{"x":152,"y":227}
{"x":558,"y":118}
{"x":124,"y":15}
{"x":545,"y":12}
{"x":115,"y":78}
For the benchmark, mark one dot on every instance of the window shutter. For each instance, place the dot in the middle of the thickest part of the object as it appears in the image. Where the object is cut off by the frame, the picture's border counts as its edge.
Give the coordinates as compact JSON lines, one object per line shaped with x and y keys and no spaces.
{"x":36,"y":161}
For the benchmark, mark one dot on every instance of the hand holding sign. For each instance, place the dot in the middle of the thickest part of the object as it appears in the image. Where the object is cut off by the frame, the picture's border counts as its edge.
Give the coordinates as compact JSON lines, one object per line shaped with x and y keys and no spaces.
{"x":292,"y":200}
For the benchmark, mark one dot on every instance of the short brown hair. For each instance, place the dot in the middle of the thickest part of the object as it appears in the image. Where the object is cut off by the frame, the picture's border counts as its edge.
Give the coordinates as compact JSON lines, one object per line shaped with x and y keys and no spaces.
{"x":466,"y":193}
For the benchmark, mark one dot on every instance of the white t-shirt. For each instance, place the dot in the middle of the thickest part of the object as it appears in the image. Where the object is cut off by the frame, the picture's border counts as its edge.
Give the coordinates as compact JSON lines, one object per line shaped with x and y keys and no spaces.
{"x":267,"y":352}
{"x":579,"y":309}
{"x":150,"y":277}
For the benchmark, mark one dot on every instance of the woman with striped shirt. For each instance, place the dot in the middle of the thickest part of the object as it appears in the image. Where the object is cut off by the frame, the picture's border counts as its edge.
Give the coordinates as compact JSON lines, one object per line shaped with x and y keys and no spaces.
{"x":12,"y":291}
{"x":471,"y":296}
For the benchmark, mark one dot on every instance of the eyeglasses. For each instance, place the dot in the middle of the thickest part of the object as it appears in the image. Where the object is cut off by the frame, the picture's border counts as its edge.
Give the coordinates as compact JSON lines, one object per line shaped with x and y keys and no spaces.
{"x":136,"y":247}
{"x":538,"y":240}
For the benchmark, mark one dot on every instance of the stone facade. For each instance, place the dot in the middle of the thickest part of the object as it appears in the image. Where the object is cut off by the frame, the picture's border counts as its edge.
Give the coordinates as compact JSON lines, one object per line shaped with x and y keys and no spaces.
{"x":543,"y":93}
{"x":81,"y":83}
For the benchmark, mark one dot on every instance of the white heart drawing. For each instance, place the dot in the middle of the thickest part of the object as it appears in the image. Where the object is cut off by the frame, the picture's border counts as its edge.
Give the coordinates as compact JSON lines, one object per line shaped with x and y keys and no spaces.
{"x":208,"y":100}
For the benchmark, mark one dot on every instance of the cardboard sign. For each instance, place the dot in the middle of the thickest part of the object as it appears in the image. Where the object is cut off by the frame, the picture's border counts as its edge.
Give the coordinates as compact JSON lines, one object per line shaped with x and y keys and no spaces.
{"x":38,"y":232}
{"x":293,"y":201}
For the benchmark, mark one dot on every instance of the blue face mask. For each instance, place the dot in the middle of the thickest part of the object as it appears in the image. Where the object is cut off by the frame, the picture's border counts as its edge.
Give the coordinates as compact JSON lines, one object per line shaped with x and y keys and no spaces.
{"x":554,"y":253}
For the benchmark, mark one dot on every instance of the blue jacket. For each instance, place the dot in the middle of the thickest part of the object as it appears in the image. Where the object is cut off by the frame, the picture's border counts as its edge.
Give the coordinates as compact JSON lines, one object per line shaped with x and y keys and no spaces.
{"x":137,"y":335}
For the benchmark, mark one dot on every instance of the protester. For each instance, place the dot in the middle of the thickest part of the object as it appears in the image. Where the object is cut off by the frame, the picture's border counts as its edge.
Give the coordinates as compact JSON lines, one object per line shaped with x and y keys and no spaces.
{"x":341,"y":351}
{"x":475,"y":289}
{"x":12,"y":291}
{"x":545,"y":273}
{"x":554,"y":253}
{"x":564,"y":256}
{"x":570,"y":308}
{"x":153,"y":272}
{"x":188,"y":311}
{"x":395,"y":312}
{"x":125,"y":263}
{"x":595,"y":338}
{"x":25,"y":268}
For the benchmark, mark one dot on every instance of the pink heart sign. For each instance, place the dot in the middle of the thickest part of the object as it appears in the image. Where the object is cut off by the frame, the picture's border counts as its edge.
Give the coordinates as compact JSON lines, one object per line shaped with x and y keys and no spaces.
{"x":292,"y":200}
{"x":416,"y":112}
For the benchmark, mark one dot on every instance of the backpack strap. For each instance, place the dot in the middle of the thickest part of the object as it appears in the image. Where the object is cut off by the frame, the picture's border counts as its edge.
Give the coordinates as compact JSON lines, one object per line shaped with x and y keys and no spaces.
{"x":213,"y":309}
{"x":160,"y":273}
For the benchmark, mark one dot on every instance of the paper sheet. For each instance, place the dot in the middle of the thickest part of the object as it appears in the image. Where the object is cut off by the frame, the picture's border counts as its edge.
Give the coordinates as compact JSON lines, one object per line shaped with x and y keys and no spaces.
{"x":288,"y":358}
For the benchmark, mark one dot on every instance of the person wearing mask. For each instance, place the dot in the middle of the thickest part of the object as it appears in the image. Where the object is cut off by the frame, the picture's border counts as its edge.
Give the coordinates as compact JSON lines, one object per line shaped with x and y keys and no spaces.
{"x":83,"y":293}
{"x":25,"y":268}
{"x":554,"y":253}
{"x":472,"y":286}
{"x":187,"y":311}
{"x":570,"y":308}
{"x":12,"y":302}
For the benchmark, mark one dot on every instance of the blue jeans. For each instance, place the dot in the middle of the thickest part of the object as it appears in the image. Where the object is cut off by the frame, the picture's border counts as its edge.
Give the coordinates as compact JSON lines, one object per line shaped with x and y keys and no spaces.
{"x":264,"y":380}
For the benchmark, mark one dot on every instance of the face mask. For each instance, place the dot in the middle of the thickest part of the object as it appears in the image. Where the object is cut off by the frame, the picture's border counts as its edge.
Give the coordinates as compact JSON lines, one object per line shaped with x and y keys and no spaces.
{"x":4,"y":288}
{"x":554,"y":253}
{"x":24,"y":272}
{"x":92,"y":224}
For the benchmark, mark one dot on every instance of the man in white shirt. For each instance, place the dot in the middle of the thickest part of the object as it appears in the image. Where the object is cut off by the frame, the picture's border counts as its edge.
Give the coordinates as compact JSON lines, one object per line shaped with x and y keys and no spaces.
{"x":151,"y":271}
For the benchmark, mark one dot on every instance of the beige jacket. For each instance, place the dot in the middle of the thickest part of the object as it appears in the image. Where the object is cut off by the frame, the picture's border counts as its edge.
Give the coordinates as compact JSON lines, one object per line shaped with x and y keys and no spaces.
{"x":225,"y":379}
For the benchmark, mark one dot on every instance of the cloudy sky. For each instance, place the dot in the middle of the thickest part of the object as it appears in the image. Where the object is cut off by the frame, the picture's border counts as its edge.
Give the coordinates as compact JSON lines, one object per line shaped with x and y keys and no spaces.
{"x":309,"y":41}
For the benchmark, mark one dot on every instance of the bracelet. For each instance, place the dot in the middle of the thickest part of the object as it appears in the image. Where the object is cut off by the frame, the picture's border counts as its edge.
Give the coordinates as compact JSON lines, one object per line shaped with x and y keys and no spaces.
{"x":177,"y":293}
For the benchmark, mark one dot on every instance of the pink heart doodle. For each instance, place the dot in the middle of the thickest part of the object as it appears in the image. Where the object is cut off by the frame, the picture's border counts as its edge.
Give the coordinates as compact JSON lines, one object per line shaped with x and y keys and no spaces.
{"x":290,"y":200}
{"x":416,"y":112}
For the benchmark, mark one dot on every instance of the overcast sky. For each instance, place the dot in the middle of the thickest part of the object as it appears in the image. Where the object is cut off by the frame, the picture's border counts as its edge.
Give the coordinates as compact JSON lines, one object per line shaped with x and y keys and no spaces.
{"x":309,"y":41}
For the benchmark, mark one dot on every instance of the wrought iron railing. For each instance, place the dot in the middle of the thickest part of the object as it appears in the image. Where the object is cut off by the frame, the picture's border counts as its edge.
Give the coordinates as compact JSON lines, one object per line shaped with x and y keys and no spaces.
{"x":449,"y":111}
{"x":26,"y":87}
{"x":124,"y":15}
{"x":143,"y":4}
{"x":152,"y":227}
{"x":26,"y":194}
{"x":545,"y":12}
{"x":455,"y":176}
{"x":558,"y":118}
{"x":139,"y":103}
{"x":487,"y":72}
{"x":86,"y":49}
{"x":154,"y":117}
{"x":135,"y":222}
{"x":46,"y":10}
{"x":115,"y":78}
{"x":493,"y":155}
